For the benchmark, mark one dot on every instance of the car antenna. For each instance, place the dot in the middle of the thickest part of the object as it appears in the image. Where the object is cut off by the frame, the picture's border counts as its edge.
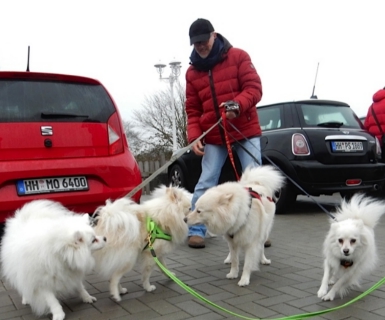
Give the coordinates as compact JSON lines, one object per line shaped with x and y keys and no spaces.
{"x":315,"y":80}
{"x":28,"y":61}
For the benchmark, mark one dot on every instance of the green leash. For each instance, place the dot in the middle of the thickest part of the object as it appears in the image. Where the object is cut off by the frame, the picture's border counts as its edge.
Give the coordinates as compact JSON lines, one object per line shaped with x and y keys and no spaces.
{"x":294,"y":317}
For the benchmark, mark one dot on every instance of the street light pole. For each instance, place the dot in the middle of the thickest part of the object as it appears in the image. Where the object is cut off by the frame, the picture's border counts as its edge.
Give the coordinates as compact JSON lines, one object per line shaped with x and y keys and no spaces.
{"x":175,"y":72}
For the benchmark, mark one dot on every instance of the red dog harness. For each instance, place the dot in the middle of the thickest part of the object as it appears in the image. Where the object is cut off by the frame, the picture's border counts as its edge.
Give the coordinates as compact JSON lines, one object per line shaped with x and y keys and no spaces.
{"x":256,"y":195}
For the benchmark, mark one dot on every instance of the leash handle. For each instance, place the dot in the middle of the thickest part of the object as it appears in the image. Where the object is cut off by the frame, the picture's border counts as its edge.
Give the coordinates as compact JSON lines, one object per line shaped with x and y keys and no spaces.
{"x":228,"y":145}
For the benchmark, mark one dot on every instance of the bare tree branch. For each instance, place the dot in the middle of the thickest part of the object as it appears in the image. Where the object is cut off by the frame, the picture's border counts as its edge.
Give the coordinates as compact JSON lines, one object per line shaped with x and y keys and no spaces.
{"x":154,"y":119}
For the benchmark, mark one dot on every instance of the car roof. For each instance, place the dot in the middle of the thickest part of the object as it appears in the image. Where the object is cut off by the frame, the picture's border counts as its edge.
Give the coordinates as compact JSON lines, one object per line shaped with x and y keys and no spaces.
{"x":309,"y":101}
{"x":26,"y":75}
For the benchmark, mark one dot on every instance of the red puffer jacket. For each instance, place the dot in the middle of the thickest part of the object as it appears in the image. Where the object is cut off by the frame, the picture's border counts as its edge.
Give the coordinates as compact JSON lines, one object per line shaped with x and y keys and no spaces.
{"x":379,"y":109}
{"x":233,"y":78}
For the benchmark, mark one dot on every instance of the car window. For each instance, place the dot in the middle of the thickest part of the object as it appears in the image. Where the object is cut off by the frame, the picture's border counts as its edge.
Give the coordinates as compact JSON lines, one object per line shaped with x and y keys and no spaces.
{"x":328,"y":116}
{"x":270,"y":118}
{"x":35,"y":101}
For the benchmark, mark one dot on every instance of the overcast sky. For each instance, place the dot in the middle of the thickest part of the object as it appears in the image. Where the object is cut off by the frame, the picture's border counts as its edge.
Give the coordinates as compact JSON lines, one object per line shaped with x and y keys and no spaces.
{"x":118,"y":43}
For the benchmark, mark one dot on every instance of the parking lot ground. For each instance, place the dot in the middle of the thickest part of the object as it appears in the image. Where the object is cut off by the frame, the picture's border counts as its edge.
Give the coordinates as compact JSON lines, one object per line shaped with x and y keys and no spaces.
{"x":287,"y":287}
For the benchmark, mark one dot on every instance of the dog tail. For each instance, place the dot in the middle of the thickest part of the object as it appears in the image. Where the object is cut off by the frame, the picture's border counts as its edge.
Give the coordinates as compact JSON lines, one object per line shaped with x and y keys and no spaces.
{"x":363,"y":207}
{"x":265,"y":175}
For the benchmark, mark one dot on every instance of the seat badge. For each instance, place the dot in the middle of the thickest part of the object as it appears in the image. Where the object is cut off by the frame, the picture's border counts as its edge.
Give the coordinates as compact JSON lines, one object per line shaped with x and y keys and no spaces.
{"x":46,"y":130}
{"x":345,"y":132}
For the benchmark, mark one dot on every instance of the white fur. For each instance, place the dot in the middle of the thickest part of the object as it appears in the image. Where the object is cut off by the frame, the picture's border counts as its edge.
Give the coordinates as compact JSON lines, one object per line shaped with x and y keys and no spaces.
{"x":46,"y":253}
{"x":124,"y":224}
{"x":350,"y":237}
{"x":225,"y":210}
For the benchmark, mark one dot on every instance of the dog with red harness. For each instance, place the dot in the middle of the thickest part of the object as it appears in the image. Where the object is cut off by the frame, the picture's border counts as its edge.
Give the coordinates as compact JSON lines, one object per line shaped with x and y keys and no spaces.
{"x":243,"y":212}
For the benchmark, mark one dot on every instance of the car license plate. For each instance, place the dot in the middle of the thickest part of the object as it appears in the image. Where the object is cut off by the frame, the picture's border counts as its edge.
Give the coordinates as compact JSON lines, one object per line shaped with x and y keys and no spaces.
{"x":49,"y":185}
{"x":347,"y":146}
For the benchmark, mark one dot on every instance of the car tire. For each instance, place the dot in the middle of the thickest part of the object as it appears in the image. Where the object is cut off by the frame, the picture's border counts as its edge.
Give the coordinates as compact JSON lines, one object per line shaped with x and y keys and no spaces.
{"x":176,"y":176}
{"x":285,"y":199}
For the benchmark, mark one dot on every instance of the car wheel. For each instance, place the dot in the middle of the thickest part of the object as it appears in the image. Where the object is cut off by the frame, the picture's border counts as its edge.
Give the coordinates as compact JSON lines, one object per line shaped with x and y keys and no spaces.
{"x":176,"y":176}
{"x":285,"y":199}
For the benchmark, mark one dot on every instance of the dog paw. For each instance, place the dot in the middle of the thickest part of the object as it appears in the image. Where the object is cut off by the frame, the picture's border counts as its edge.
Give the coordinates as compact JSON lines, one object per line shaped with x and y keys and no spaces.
{"x":232,"y":275}
{"x":89,"y":299}
{"x":243,"y":282}
{"x":24,"y":301}
{"x":265,"y":261}
{"x":117,"y":298}
{"x":322,"y":292}
{"x":331,"y":282}
{"x":123,"y":290}
{"x":150,"y":288}
{"x":328,"y":297}
{"x":58,"y":315}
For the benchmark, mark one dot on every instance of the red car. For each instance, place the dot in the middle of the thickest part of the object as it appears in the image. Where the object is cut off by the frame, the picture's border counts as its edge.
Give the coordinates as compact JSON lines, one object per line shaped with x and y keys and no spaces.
{"x":61,"y":138}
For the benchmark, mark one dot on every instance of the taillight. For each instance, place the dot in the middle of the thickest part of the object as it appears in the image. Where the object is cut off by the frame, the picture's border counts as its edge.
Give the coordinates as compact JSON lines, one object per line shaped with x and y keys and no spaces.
{"x":114,"y":135}
{"x":353,"y":182}
{"x":299,"y":145}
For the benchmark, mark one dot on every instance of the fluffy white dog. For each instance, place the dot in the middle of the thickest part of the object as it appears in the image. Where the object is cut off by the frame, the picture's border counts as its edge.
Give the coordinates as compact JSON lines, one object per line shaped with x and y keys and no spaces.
{"x":349,"y":248}
{"x":125,"y":225}
{"x":46,"y":253}
{"x":243,"y":212}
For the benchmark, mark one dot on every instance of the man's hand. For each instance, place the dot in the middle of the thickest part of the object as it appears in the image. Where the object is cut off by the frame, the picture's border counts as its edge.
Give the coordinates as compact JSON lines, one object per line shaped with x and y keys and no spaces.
{"x":198,"y":148}
{"x":231,"y":109}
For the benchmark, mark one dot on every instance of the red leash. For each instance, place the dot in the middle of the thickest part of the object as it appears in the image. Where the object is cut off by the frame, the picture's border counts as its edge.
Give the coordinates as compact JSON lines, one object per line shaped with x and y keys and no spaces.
{"x":229,"y":150}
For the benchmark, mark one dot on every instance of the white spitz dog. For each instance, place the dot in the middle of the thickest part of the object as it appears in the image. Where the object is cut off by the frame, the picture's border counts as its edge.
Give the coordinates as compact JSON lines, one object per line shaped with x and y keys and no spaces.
{"x":244,"y":218}
{"x":124,"y":223}
{"x":349,"y":248}
{"x":46,"y":253}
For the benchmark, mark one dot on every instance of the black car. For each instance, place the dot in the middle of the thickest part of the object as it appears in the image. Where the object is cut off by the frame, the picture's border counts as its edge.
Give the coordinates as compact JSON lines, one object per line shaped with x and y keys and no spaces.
{"x":320,"y":145}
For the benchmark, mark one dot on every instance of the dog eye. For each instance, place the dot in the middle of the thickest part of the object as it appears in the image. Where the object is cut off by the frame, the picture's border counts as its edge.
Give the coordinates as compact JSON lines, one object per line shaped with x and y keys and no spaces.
{"x":353,"y":241}
{"x":341,"y":241}
{"x":198,"y":211}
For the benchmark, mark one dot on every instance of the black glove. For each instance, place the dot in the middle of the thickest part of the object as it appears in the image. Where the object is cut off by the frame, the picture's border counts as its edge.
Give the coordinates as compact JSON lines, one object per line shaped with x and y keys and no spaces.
{"x":232,"y":106}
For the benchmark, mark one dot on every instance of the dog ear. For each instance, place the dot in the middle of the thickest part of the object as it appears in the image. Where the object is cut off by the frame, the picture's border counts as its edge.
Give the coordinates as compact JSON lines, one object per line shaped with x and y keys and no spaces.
{"x":225,"y":198}
{"x":172,"y":193}
{"x":78,"y":237}
{"x":86,"y":217}
{"x":334,"y":225}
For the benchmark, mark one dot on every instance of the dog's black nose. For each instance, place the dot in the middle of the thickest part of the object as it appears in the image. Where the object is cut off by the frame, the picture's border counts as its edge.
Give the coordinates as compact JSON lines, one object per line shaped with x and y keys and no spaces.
{"x":346,"y":252}
{"x":185,"y":220}
{"x":105,"y":239}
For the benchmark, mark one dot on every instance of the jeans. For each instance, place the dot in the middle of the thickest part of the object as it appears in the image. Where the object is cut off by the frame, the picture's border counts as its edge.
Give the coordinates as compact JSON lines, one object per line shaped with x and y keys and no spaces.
{"x":212,"y":163}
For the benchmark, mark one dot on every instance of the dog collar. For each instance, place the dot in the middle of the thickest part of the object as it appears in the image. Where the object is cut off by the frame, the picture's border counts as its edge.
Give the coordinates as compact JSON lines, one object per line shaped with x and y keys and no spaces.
{"x":154,"y":232}
{"x":346,"y":263}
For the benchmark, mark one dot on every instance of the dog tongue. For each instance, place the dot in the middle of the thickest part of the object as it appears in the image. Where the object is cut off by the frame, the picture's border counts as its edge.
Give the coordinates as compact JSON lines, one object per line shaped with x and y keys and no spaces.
{"x":346,"y":263}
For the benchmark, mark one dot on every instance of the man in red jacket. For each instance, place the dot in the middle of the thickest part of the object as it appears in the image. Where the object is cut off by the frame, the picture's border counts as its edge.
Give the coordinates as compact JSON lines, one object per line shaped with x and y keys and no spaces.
{"x":220,"y":79}
{"x":375,"y":119}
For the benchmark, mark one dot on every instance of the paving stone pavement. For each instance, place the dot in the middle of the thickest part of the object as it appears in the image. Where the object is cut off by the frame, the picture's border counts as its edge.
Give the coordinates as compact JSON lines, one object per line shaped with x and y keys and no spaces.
{"x":287,"y":287}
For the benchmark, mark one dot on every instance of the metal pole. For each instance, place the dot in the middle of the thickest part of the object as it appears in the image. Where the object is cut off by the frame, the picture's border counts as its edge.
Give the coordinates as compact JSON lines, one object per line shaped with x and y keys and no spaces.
{"x":173,"y":118}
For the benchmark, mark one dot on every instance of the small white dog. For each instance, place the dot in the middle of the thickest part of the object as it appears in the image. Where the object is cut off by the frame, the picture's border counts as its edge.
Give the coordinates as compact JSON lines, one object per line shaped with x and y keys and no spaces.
{"x":46,"y":253}
{"x":349,"y":248}
{"x":243,"y":216}
{"x":125,"y":225}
